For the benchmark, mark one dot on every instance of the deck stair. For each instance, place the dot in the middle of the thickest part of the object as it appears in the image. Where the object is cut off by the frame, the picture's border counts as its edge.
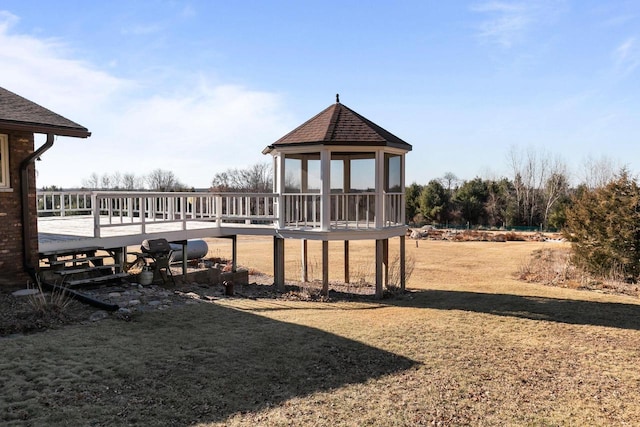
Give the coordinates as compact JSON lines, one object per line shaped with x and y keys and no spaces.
{"x":78,"y":267}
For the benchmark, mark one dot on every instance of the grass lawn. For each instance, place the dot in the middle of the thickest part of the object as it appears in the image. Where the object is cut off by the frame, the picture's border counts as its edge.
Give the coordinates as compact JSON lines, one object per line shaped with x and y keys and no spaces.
{"x":469,"y":345}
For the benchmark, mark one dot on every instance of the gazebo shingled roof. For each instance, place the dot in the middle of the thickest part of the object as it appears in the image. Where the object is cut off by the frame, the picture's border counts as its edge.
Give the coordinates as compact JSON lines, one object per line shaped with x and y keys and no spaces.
{"x":339,"y":125}
{"x":18,"y":113}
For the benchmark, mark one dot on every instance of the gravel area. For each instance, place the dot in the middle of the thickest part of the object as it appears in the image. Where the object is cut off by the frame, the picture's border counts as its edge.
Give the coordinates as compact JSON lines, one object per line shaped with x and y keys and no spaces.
{"x":38,"y":311}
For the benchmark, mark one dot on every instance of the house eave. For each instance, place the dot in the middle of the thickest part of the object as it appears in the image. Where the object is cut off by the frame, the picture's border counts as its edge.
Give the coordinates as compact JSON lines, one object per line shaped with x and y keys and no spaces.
{"x":44,"y":129}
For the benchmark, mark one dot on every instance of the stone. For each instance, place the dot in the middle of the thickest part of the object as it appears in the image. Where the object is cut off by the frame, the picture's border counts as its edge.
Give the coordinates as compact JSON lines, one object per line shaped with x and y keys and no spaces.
{"x":114,"y":295}
{"x":25,"y":292}
{"x":132,"y":293}
{"x":133,"y":302}
{"x":154,"y":303}
{"x":191,"y":295}
{"x":98,"y":315}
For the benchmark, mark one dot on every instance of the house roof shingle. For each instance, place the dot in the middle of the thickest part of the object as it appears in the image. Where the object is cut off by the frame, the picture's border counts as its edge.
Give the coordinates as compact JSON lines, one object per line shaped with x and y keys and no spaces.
{"x":339,"y":125}
{"x":18,"y":113}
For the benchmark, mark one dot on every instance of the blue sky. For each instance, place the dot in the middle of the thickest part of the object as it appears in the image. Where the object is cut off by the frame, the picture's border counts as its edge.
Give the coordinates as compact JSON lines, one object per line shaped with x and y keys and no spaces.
{"x":197,"y":87}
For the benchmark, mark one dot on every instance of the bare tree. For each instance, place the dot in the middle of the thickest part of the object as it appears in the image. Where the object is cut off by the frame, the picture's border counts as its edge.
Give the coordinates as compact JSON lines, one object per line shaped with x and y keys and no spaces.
{"x":105,"y":182}
{"x":131,"y":182}
{"x":556,"y":186}
{"x":116,"y":180}
{"x":259,"y":177}
{"x":163,"y":180}
{"x":522,"y":170}
{"x":599,"y":172}
{"x":538,"y":181}
{"x":92,"y":183}
{"x":256,"y":178}
{"x":449,"y":181}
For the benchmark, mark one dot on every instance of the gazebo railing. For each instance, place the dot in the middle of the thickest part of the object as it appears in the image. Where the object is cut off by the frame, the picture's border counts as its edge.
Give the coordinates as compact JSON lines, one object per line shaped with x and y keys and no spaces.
{"x":353,"y":210}
{"x":302,"y":210}
{"x":348,"y":210}
{"x":394,"y":209}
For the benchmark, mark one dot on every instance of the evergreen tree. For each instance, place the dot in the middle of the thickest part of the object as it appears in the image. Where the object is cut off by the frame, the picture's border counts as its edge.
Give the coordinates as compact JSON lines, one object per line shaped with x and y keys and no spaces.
{"x":412,"y":197}
{"x":471,"y":198}
{"x":434,"y":202}
{"x":604,"y":226}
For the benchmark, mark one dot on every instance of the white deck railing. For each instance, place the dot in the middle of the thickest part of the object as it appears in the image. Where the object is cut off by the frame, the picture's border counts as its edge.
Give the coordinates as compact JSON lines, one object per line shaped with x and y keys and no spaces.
{"x":64,"y":203}
{"x":300,"y":210}
{"x":394,"y":209}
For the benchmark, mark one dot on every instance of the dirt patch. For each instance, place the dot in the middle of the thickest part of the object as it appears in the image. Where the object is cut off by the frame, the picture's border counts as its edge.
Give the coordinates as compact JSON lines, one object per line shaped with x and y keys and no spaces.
{"x":21,"y":314}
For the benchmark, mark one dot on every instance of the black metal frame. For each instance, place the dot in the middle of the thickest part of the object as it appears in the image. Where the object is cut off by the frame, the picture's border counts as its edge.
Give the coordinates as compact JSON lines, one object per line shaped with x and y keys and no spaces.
{"x":159,"y":251}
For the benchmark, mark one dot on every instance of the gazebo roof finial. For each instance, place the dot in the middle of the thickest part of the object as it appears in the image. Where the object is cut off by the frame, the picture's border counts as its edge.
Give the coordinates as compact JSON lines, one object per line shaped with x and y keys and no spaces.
{"x":337,"y":98}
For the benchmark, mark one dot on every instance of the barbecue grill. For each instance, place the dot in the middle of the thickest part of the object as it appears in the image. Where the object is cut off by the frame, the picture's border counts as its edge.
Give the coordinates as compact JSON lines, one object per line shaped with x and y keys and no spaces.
{"x":159,"y":250}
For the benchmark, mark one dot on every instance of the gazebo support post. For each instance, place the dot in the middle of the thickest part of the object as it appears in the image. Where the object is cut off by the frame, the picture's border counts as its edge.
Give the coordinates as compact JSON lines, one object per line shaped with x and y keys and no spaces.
{"x":305,"y":261}
{"x":278,"y":263}
{"x":403,"y":271}
{"x":346,"y":261}
{"x":379,"y":258}
{"x":325,"y":267}
{"x":385,"y":262}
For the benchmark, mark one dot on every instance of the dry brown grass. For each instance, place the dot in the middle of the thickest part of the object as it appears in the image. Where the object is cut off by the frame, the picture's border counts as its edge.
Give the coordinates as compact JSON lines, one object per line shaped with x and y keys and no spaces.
{"x":470,"y":345}
{"x":552,"y":266}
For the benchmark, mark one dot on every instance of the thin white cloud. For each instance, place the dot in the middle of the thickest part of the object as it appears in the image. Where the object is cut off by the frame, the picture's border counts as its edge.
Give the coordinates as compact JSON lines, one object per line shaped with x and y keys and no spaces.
{"x":142,"y":29}
{"x":508,"y":23}
{"x":7,"y":20}
{"x":505,"y":24}
{"x":41,"y":70}
{"x":201,"y":131}
{"x":618,"y":20}
{"x":195,"y":131}
{"x":188,"y":11}
{"x":626,"y":56}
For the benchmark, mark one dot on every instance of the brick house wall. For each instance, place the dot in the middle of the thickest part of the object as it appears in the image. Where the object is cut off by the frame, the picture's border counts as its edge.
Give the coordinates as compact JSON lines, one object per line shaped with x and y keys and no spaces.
{"x":11,"y":249}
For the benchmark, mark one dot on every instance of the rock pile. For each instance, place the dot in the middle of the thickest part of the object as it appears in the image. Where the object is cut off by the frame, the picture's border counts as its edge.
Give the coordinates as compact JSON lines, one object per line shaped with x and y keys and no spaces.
{"x":432,"y":233}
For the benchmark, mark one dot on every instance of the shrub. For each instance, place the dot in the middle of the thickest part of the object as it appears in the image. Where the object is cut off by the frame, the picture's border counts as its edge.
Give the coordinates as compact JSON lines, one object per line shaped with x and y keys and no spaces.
{"x":604,"y":228}
{"x":395,"y":277}
{"x":43,"y":303}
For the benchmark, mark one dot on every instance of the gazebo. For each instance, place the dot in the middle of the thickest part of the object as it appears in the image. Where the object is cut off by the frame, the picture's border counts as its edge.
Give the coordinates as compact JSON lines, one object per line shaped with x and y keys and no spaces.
{"x":339,"y":177}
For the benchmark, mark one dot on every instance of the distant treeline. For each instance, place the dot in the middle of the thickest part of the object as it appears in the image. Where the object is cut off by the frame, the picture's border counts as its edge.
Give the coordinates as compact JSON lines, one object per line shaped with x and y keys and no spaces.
{"x":537,"y":194}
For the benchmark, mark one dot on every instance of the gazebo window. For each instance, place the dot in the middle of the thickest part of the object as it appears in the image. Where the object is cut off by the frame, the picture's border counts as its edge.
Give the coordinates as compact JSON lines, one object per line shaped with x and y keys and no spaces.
{"x":393,"y":173}
{"x":293,"y":175}
{"x":353,"y":172}
{"x":337,"y":176}
{"x":363,"y":174}
{"x":4,"y":161}
{"x":314,"y":183}
{"x":302,"y":173}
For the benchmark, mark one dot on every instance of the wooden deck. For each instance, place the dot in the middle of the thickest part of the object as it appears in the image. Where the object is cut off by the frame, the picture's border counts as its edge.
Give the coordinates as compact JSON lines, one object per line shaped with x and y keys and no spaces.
{"x":62,"y":233}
